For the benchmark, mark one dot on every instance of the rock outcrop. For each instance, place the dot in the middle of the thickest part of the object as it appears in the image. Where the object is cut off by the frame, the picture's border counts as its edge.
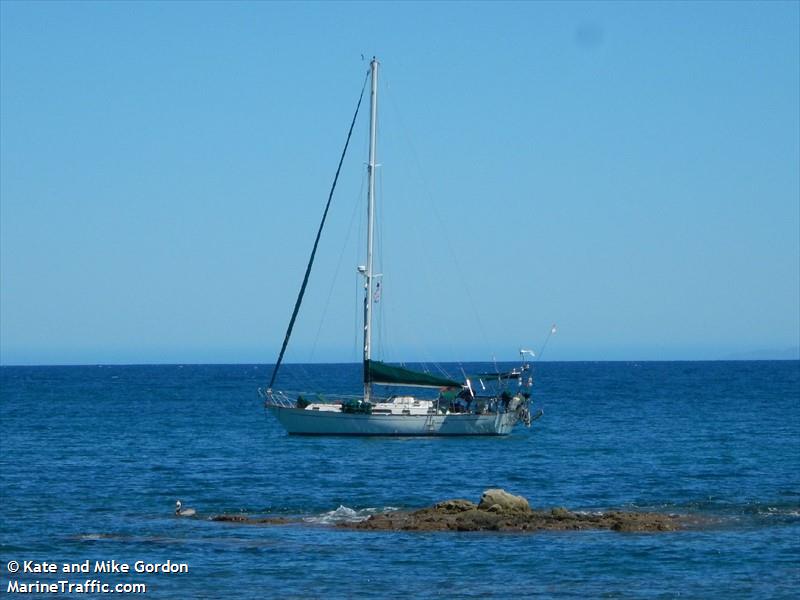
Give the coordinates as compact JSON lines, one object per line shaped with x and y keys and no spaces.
{"x":497,"y":511}
{"x":500,"y":511}
{"x":239,"y":518}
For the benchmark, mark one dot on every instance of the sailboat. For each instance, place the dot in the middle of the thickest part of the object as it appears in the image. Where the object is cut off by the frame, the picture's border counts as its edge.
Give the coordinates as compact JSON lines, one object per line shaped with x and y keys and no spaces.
{"x":456,"y":408}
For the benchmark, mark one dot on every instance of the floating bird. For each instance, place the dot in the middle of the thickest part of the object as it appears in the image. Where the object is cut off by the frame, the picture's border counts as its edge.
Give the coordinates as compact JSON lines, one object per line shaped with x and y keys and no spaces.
{"x":183,"y":512}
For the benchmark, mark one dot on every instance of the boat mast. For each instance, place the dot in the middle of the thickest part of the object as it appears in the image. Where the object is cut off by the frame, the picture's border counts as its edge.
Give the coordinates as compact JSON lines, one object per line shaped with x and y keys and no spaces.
{"x":373,"y":118}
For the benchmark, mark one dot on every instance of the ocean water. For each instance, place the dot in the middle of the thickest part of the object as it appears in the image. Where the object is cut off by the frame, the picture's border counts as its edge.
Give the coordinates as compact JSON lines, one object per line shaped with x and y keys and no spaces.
{"x":92,"y":460}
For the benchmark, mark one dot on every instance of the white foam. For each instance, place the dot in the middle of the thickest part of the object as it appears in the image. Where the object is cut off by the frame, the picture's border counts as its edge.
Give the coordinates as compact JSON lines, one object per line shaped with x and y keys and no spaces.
{"x":344,"y":514}
{"x":780,"y":512}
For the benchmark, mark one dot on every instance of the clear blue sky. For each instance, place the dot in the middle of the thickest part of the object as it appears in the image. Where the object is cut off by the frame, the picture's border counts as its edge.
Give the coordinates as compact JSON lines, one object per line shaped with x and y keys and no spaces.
{"x":629,"y":171}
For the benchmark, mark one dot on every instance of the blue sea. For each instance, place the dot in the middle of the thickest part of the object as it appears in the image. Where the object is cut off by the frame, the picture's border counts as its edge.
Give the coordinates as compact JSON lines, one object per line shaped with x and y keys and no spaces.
{"x":94,"y":457}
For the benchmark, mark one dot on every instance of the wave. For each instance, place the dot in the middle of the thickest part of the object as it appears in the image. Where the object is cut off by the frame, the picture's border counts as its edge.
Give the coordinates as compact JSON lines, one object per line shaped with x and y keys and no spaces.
{"x":726,"y":511}
{"x":776,"y":511}
{"x":344,"y":514}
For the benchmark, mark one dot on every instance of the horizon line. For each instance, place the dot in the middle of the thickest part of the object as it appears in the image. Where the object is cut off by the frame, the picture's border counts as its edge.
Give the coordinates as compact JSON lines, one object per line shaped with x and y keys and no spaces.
{"x":453,"y":362}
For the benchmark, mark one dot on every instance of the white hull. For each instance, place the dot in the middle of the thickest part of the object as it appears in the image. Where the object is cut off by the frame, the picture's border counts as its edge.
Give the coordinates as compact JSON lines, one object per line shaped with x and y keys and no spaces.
{"x":300,"y":421}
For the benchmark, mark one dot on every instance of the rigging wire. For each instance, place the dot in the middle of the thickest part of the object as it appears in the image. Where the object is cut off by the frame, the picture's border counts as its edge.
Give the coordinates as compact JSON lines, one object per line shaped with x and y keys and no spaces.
{"x":316,"y":241}
{"x":553,"y":329}
{"x":386,"y":311}
{"x":378,"y":299}
{"x":427,"y":196}
{"x":338,"y":268}
{"x":423,"y":270}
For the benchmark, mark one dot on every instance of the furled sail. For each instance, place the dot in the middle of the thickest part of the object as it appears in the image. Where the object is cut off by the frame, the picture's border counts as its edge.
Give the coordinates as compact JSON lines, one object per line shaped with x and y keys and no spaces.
{"x":316,"y":243}
{"x":379,"y":372}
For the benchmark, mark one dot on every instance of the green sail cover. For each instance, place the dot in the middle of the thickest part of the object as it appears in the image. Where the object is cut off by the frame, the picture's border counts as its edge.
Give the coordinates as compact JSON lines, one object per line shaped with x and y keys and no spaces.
{"x":379,"y":372}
